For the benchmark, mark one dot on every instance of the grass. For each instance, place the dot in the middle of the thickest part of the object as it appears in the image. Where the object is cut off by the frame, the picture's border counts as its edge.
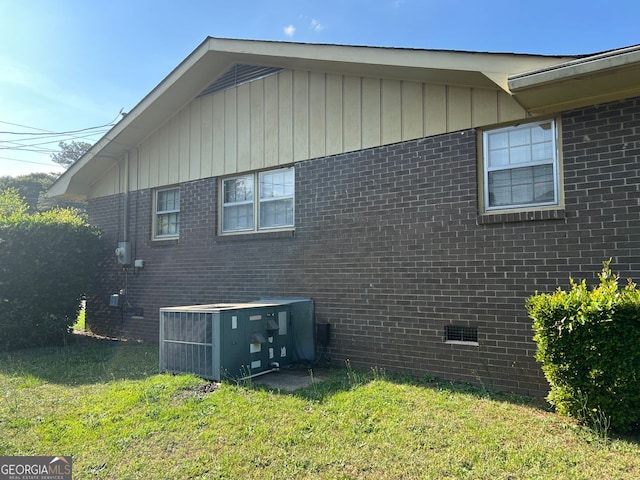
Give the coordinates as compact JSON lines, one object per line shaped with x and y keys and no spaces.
{"x":79,"y":326}
{"x":104,"y":403}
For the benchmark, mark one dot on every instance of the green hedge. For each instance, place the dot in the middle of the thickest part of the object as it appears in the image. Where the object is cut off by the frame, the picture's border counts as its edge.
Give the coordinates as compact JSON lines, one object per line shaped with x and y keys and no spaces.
{"x":589,"y":345}
{"x":47,"y":261}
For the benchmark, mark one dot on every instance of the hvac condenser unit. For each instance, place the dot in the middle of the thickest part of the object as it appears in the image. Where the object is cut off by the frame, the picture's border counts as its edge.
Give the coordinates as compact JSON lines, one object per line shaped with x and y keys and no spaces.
{"x":237,"y":340}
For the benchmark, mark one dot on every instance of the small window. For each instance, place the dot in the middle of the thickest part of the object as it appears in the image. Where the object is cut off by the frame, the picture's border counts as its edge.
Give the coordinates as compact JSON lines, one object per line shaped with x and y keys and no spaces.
{"x":167,"y":214}
{"x":237,"y":204}
{"x":258,"y":201}
{"x":276,"y":199}
{"x":456,"y":334}
{"x":521,"y":166}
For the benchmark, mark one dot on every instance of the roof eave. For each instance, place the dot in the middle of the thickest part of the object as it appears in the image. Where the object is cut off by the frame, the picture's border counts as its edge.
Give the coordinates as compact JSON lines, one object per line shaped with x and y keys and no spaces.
{"x":586,"y":81}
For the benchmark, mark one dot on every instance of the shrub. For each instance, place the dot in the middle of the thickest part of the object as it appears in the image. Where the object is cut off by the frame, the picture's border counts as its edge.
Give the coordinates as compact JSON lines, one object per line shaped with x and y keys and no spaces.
{"x":46,"y":263}
{"x":589,"y":345}
{"x":12,"y":204}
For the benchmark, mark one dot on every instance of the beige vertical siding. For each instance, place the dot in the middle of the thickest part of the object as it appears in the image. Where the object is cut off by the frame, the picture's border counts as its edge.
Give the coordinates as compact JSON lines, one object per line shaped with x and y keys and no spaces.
{"x":352,"y":114}
{"x":195,"y":141}
{"x":333,"y":112}
{"x":458,"y":108}
{"x":243,"y":137}
{"x":391,"y":113}
{"x":300,"y":116}
{"x":144,"y":165}
{"x":484,"y":107}
{"x":218,"y":153}
{"x":174,"y":150}
{"x":411,"y":106}
{"x":371,"y":113}
{"x":207,"y":131}
{"x":133,"y":169}
{"x":230,"y":129}
{"x":153,"y":152}
{"x":271,"y":113}
{"x":434,"y":109}
{"x":108,"y":184}
{"x":285,"y":117}
{"x":257,"y":120}
{"x":297,"y":115}
{"x":317,"y":115}
{"x":163,"y":155}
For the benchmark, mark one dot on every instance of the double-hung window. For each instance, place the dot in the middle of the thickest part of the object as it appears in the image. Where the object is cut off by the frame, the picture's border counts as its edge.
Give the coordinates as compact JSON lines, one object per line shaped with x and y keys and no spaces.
{"x":521,"y":166}
{"x":258,"y":201}
{"x":166,"y":220}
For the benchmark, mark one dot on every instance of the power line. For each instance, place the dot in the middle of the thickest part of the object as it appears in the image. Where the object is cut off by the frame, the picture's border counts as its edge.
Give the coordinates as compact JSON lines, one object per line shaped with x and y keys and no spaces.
{"x":32,"y":144}
{"x":41,"y":136}
{"x":28,"y":161}
{"x":26,"y":146}
{"x":26,"y":126}
{"x":57,"y":134}
{"x":110,"y":124}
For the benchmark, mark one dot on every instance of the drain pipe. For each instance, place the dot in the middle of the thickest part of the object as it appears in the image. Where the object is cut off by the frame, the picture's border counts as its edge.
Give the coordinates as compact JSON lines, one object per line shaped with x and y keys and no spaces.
{"x":123,"y":252}
{"x":276,"y":368}
{"x":126,"y":198}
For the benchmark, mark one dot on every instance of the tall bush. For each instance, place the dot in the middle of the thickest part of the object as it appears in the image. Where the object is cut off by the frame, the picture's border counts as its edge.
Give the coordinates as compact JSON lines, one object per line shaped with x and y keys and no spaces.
{"x":47,"y":261}
{"x":588,"y":341}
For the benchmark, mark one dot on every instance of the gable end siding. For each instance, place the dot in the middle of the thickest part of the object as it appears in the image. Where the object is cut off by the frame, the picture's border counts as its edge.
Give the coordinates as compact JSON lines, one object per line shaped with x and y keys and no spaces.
{"x":293,"y":116}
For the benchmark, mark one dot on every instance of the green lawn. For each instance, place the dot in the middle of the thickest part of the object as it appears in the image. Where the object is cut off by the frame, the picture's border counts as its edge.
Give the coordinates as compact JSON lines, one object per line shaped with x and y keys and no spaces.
{"x":104,"y":403}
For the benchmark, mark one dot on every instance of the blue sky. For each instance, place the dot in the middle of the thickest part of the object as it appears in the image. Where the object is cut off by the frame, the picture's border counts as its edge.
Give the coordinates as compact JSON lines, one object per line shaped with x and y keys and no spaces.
{"x":73,"y":64}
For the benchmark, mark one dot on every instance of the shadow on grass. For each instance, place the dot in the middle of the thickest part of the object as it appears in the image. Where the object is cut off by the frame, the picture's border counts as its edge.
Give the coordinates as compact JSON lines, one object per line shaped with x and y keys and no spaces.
{"x":331,"y":380}
{"x":85,"y":360}
{"x":326,"y":380}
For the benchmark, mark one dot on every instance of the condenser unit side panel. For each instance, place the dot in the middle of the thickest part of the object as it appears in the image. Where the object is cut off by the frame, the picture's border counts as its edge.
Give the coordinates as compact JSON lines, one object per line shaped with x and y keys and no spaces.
{"x":185,"y":342}
{"x":281,"y":348}
{"x":304,"y":330}
{"x":216,"y":345}
{"x":303,"y":325}
{"x":256,"y":346}
{"x":232,"y":355}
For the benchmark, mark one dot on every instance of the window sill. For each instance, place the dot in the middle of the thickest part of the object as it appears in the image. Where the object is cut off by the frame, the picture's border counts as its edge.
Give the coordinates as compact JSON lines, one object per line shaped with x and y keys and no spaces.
{"x":236,"y":237}
{"x":460,"y":342}
{"x":164,"y":241}
{"x":521,"y":216}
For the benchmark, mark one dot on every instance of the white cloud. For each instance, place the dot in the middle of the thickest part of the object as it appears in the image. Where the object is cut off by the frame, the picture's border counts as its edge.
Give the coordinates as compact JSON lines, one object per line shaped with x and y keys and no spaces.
{"x":289,"y":30}
{"x":316,"y":26}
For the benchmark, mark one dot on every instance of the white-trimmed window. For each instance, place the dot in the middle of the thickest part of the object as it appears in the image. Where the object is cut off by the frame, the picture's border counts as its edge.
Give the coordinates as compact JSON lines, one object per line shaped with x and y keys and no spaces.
{"x":166,"y":218}
{"x":521,"y":166}
{"x":258,"y":201}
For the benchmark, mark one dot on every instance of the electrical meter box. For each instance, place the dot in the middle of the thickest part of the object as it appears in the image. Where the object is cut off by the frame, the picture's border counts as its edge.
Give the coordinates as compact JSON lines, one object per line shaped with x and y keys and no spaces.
{"x":225,"y":340}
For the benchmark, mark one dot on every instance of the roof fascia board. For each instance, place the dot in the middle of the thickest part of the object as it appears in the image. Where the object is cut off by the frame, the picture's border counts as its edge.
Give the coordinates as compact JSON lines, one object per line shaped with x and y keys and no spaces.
{"x":387,"y":56}
{"x":590,"y":65}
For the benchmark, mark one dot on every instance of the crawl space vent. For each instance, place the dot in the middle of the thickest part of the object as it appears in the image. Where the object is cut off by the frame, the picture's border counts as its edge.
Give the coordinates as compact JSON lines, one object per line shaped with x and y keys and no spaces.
{"x":454,"y":333}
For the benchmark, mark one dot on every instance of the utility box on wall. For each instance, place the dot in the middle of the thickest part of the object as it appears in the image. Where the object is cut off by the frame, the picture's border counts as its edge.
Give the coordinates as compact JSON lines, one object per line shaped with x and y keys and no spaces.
{"x":236,"y":340}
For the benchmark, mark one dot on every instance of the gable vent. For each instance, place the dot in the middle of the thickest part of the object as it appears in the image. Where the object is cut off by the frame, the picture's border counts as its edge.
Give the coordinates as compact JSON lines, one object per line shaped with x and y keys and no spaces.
{"x":237,"y":75}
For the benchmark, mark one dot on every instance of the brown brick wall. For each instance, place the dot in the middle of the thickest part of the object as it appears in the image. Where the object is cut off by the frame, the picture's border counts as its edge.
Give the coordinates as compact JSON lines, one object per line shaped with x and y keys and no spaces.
{"x":390,"y":245}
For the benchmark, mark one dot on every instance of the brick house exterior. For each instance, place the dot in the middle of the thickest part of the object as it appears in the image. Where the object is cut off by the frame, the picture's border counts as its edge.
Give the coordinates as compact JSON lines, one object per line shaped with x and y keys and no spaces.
{"x":394,"y":246}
